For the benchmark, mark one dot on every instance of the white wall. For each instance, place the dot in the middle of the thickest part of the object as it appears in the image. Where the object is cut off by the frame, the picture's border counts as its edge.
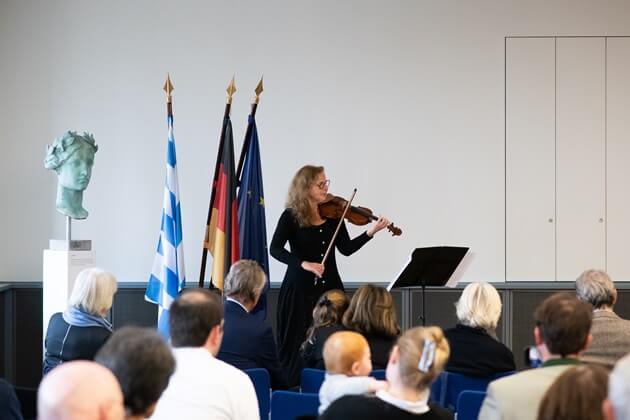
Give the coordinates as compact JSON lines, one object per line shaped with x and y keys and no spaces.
{"x":402,"y":99}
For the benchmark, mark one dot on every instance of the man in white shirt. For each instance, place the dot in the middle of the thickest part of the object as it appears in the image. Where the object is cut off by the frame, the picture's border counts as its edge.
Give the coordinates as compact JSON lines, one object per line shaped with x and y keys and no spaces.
{"x":202,"y":386}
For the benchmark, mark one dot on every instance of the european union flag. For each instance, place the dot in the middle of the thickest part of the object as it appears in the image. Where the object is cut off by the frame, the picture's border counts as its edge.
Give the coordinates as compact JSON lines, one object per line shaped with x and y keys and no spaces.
{"x":251,"y":212}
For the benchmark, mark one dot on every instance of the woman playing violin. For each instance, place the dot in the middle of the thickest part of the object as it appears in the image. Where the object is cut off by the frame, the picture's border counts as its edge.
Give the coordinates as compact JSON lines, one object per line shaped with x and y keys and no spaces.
{"x":309,"y":235}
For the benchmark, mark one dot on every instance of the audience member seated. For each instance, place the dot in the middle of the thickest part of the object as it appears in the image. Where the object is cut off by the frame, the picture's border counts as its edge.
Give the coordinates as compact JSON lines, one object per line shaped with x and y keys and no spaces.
{"x":80,"y":390}
{"x":348,"y":364}
{"x":611,"y":334}
{"x":80,"y":331}
{"x":248,"y":340}
{"x":577,"y":394}
{"x":9,"y":404}
{"x":371,"y":313}
{"x":327,"y":315}
{"x":475,"y":350}
{"x":203,"y":387}
{"x":415,"y":362}
{"x":617,"y":405}
{"x":142,"y":362}
{"x":561,"y":333}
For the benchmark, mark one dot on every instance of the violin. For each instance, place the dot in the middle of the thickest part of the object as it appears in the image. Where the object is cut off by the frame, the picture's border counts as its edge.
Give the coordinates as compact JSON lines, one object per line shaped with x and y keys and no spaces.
{"x":333,"y":207}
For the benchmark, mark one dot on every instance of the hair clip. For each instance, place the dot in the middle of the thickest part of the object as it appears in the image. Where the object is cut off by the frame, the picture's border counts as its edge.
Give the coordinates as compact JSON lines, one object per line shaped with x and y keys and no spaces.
{"x":428,"y":354}
{"x":325,"y":302}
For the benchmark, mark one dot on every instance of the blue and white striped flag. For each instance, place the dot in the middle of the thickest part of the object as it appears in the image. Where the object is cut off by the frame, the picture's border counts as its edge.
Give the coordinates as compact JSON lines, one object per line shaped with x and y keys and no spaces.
{"x":167,"y":275}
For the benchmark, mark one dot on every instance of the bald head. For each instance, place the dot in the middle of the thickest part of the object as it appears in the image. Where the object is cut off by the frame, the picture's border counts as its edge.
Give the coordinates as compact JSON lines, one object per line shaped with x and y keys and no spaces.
{"x":192,"y":317}
{"x":80,"y":390}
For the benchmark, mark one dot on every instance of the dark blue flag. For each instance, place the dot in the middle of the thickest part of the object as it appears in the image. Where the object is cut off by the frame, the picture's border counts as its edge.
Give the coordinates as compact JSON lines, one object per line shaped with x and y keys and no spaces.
{"x":252,"y":230}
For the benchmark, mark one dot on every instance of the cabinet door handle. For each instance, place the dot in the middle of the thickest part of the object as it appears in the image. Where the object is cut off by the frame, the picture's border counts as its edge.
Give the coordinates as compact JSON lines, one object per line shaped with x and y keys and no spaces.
{"x":550,"y":220}
{"x":601,"y":220}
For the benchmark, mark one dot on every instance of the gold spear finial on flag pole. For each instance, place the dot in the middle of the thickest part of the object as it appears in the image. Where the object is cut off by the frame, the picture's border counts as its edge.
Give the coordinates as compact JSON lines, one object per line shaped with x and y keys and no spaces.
{"x":259,"y":89}
{"x":230,"y":90}
{"x":168,"y":88}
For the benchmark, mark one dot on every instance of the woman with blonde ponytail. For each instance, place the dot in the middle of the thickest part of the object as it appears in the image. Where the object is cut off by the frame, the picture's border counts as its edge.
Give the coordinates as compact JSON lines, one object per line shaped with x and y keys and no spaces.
{"x":306,"y":278}
{"x":417,"y":359}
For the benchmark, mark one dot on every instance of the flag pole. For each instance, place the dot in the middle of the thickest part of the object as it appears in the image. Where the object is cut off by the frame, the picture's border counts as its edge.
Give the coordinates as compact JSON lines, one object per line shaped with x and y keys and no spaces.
{"x":204,"y":253}
{"x":239,"y":169}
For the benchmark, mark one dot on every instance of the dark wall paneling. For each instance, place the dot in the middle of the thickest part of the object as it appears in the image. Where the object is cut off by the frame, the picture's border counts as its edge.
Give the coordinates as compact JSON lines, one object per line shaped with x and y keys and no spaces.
{"x":27,"y":333}
{"x":622,"y":307}
{"x":130,"y":308}
{"x":524,"y":302}
{"x":440,"y":308}
{"x":4,"y":319}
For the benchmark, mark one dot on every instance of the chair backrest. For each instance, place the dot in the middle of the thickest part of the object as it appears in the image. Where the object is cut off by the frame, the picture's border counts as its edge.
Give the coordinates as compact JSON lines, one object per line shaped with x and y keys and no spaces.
{"x":454,"y":383}
{"x":469,"y":404}
{"x":311,"y":380}
{"x":436,"y":388}
{"x":378,"y":374}
{"x":28,"y":401}
{"x":262,"y":385}
{"x":287,"y":405}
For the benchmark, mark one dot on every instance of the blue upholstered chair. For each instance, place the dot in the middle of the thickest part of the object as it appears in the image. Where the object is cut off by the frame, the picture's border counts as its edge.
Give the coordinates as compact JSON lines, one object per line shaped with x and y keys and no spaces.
{"x":311,"y":380}
{"x":287,"y":405}
{"x":452,"y":384}
{"x":262,"y":385}
{"x":469,"y":404}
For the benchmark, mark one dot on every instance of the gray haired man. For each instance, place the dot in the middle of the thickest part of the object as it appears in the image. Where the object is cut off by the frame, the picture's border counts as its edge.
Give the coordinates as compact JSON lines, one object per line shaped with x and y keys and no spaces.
{"x":611,"y":334}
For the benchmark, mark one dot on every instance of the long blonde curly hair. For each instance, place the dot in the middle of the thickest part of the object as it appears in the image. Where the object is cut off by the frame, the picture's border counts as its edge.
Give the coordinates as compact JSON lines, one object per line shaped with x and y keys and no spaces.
{"x":297,"y":199}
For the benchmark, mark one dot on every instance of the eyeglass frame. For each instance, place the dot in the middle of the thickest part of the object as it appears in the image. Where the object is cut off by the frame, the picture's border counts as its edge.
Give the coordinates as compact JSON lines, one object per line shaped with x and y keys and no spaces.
{"x":324,"y":184}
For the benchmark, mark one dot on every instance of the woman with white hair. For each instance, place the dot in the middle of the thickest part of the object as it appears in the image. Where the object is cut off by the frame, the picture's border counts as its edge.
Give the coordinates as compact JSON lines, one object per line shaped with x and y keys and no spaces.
{"x":475,"y":350}
{"x":80,"y":331}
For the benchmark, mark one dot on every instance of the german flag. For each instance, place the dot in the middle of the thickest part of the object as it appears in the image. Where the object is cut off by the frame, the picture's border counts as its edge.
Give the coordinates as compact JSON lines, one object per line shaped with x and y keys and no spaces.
{"x":222,"y":231}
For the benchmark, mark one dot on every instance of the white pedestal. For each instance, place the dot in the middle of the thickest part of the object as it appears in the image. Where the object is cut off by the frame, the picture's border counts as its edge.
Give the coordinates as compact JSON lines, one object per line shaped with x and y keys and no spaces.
{"x":60,"y":271}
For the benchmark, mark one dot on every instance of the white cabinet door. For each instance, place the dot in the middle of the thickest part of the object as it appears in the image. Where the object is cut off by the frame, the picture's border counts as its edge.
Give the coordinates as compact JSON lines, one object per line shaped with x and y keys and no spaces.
{"x":580,"y":156}
{"x":618,"y":157}
{"x":530,"y":159}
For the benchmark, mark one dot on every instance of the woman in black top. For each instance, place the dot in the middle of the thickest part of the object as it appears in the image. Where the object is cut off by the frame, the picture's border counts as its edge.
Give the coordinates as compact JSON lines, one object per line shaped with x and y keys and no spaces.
{"x":372,"y":314}
{"x":306,"y":279}
{"x":81,"y":330}
{"x":416,"y":360}
{"x":475,"y":351}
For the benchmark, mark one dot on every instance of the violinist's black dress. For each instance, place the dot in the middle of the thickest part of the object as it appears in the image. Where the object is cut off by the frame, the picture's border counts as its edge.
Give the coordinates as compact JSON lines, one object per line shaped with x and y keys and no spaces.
{"x":299,"y":293}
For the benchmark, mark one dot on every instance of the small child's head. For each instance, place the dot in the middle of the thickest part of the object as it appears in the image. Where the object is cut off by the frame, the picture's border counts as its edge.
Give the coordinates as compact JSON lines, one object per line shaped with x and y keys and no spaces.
{"x":330,"y":308}
{"x":347,"y":353}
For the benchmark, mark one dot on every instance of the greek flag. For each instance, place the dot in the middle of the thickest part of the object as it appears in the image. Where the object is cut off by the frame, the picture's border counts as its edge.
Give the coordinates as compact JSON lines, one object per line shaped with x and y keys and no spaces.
{"x":167,"y":275}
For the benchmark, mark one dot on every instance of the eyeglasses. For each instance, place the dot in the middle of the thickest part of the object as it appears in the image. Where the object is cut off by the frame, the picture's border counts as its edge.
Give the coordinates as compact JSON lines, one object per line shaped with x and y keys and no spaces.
{"x":323,"y":185}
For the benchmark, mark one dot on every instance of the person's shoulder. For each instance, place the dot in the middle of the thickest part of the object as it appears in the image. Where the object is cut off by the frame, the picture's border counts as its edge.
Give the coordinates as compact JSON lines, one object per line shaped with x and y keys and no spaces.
{"x":57,"y":318}
{"x":226,"y":370}
{"x":358,"y":405}
{"x":438,"y":412}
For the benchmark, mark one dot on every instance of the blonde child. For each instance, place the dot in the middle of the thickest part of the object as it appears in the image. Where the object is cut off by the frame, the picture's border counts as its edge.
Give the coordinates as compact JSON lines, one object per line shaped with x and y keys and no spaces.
{"x":348,"y":364}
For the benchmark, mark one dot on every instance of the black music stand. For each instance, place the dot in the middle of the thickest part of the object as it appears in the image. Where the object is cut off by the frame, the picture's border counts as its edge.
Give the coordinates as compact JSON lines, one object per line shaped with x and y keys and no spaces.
{"x":432,"y":266}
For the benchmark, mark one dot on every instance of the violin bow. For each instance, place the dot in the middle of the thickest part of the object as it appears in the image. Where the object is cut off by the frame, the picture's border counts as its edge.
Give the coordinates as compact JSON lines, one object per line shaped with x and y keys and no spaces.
{"x":332,"y":241}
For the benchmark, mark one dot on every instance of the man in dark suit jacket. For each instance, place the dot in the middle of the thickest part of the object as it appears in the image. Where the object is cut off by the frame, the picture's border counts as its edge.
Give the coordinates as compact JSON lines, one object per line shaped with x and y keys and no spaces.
{"x":248,"y":340}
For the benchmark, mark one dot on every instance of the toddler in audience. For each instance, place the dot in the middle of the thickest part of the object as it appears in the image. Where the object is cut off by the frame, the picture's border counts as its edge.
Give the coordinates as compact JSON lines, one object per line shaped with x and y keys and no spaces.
{"x":348,"y":362}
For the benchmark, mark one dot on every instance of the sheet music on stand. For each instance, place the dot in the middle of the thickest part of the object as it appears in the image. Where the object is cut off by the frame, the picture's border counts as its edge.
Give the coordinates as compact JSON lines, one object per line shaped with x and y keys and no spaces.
{"x":433,"y":266}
